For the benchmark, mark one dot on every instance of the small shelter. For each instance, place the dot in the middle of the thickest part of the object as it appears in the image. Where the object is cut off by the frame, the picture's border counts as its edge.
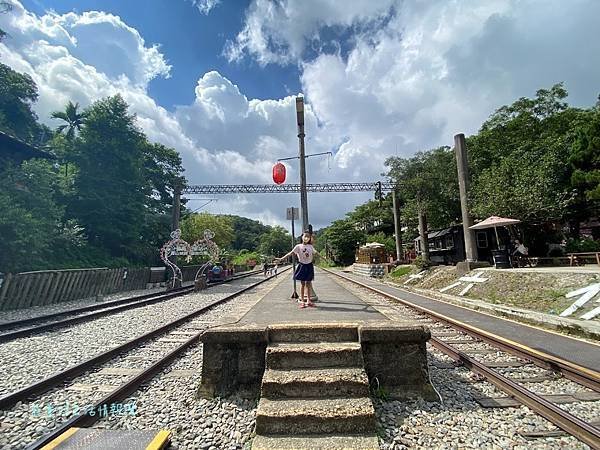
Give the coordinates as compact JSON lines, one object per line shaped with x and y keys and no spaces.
{"x":371,"y":253}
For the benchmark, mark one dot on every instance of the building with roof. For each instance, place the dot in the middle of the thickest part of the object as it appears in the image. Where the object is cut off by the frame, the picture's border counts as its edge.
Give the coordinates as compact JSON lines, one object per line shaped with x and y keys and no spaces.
{"x":447,"y":246}
{"x":17,"y":150}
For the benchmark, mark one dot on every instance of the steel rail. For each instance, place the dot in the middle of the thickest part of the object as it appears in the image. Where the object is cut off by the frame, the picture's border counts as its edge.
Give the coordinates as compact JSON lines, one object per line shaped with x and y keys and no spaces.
{"x":57,"y":378}
{"x":102,"y":310}
{"x":69,"y":312}
{"x":571,"y":424}
{"x":133,"y":384}
{"x":582,"y":375}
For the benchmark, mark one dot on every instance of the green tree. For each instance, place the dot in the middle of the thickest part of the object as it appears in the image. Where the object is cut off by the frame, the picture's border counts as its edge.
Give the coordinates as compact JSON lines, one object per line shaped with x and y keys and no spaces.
{"x":110,"y":186}
{"x":163,"y":171}
{"x":427,"y":183}
{"x":30,"y":216}
{"x":382,"y":238}
{"x":585,"y":157}
{"x":518,"y":159}
{"x":342,"y":239}
{"x":372,"y":216}
{"x":73,"y":119}
{"x":275,"y":242}
{"x":247,"y":233}
{"x":194,"y":225}
{"x":17,"y":93}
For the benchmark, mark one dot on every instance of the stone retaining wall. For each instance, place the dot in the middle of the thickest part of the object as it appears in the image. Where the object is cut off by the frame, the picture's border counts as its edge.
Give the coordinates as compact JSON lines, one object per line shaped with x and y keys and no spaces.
{"x":371,"y":270}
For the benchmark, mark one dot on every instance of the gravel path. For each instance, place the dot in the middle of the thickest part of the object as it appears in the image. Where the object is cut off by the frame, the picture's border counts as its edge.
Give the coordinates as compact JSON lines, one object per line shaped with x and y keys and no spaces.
{"x":30,"y":359}
{"x":460,"y":422}
{"x":167,"y":401}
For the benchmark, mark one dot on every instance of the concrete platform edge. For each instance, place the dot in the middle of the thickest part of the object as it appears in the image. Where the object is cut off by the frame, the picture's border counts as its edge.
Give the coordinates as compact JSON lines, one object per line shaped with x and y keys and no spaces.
{"x":574,"y":327}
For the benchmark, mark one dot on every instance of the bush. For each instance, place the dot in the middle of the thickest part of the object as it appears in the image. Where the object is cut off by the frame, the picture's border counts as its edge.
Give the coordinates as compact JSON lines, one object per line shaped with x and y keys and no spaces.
{"x":582,"y":245}
{"x":421,"y":264}
{"x":245,"y":256}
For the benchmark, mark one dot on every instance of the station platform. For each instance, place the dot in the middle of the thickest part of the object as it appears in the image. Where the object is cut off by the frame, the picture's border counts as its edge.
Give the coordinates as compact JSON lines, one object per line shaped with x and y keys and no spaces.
{"x":578,"y":351}
{"x":334,"y":305}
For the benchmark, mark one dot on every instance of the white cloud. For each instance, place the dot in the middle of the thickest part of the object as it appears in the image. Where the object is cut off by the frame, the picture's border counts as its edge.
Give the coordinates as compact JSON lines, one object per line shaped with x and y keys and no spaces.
{"x":279,"y":32}
{"x":205,"y":6}
{"x":428,"y":70}
{"x":95,"y":38}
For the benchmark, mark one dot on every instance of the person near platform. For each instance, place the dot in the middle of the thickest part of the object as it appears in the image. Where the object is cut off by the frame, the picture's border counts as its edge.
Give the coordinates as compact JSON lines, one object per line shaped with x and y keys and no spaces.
{"x":520,"y":253}
{"x":265,"y":268}
{"x":305,"y":271}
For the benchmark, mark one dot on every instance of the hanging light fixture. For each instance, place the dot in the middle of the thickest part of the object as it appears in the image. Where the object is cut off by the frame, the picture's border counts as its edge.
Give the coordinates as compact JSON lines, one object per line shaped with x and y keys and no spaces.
{"x":279,"y":173}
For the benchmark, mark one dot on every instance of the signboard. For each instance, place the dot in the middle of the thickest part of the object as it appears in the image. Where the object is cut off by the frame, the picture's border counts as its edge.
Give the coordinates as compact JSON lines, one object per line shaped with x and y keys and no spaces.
{"x":292,"y":213}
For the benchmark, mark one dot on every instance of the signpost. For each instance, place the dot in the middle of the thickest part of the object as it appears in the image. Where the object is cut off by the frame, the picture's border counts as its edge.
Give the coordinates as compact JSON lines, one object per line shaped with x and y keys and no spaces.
{"x":293,"y":214}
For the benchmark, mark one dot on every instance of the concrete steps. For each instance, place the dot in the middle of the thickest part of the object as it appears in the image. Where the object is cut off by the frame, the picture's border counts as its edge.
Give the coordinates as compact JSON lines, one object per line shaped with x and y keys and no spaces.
{"x":315,"y":391}
{"x":299,"y":333}
{"x":315,"y":416}
{"x":317,"y":383}
{"x":311,"y":355}
{"x":330,"y":442}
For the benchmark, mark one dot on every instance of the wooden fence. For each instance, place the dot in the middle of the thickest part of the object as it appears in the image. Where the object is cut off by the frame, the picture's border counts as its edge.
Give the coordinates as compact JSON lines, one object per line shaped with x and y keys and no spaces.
{"x":26,"y":289}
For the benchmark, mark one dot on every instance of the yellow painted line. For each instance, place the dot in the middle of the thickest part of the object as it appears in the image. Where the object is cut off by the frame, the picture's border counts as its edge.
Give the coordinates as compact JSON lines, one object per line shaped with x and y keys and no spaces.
{"x":545,"y":356}
{"x":57,"y":441}
{"x":160,"y":440}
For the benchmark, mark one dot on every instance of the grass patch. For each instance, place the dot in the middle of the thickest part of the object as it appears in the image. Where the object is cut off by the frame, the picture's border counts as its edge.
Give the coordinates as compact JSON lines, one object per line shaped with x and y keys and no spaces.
{"x":401,"y":271}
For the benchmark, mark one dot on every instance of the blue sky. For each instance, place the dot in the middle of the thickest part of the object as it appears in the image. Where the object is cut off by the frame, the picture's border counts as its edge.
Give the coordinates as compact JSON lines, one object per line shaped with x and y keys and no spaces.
{"x":192,"y":43}
{"x":216,"y":80}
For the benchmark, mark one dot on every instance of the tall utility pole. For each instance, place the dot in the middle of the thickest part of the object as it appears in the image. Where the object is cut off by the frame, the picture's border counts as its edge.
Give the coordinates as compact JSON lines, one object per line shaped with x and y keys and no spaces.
{"x":303,"y":194}
{"x":397,"y":230}
{"x":463,"y":186}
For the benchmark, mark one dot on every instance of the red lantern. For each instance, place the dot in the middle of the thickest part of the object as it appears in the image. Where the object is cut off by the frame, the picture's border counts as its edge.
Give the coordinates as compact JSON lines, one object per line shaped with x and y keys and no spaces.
{"x":279,"y":173}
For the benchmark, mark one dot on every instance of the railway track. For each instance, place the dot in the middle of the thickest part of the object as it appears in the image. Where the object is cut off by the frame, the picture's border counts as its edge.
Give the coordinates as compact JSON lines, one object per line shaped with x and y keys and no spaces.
{"x":178,"y":336}
{"x":26,"y":327}
{"x":494,"y":355}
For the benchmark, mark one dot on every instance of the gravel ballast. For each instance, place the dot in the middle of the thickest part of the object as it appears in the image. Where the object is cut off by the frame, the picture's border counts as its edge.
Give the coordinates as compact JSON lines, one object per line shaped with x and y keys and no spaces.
{"x":460,"y":422}
{"x":168,"y":399}
{"x":29,"y":359}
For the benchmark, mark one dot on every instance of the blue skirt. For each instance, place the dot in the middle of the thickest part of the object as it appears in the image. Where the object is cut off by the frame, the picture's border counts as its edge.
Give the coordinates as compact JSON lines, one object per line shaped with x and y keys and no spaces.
{"x":304,"y":272}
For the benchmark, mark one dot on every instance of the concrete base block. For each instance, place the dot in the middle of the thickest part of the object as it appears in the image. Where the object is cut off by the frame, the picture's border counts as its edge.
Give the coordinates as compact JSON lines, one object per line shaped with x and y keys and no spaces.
{"x":464,"y":267}
{"x":395,"y":359}
{"x":233,"y":361}
{"x":394,"y":355}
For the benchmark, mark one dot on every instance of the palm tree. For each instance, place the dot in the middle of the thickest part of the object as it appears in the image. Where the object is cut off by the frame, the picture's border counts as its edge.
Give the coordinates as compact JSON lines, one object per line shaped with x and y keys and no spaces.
{"x":74,"y":119}
{"x":73,"y":122}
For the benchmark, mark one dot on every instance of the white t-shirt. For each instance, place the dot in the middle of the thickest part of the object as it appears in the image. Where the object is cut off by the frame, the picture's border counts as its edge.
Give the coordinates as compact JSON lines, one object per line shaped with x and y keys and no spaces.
{"x":522,"y":249}
{"x":305,"y":253}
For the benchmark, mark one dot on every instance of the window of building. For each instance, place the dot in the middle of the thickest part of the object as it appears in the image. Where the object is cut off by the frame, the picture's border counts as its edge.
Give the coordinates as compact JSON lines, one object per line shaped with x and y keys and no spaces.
{"x":482,"y":239}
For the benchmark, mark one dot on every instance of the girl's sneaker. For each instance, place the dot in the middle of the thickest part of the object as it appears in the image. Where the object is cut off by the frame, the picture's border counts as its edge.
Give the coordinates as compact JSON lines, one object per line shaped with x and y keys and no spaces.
{"x":302,"y":305}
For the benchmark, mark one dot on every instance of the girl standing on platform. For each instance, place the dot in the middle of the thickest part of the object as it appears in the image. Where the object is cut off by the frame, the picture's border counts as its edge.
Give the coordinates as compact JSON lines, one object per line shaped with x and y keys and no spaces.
{"x":305,"y":272}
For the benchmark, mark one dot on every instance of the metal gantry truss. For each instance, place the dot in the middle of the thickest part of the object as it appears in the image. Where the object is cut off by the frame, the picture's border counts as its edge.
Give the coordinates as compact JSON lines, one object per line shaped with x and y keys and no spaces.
{"x":286,"y":188}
